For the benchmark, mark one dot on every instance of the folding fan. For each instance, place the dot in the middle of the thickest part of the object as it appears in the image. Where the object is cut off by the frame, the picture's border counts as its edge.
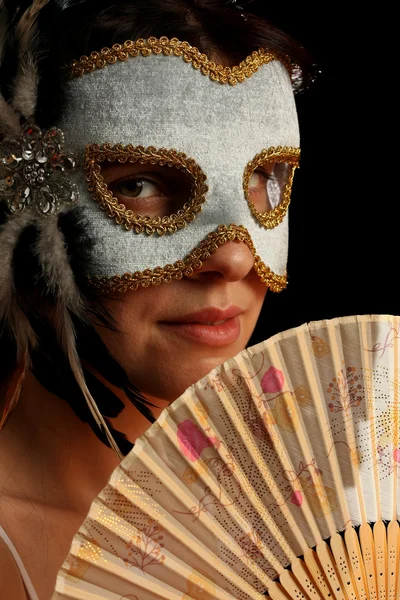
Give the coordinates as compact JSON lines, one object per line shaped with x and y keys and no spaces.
{"x":277,"y":474}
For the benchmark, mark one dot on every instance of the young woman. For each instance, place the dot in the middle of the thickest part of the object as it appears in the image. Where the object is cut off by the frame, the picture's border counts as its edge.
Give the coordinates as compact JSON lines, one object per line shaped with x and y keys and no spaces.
{"x":144,"y":195}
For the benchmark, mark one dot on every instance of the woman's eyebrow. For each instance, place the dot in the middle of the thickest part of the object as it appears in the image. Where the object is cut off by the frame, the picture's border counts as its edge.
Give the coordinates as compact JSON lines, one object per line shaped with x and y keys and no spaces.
{"x":112,"y":169}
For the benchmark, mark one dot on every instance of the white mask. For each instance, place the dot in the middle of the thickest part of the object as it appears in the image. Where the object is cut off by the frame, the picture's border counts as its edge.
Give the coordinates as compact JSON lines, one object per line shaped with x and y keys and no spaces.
{"x":162,"y":102}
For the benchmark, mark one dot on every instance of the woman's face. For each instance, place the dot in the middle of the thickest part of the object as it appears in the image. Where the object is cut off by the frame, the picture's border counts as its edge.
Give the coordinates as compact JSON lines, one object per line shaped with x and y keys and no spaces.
{"x":147,"y":123}
{"x":172,"y":335}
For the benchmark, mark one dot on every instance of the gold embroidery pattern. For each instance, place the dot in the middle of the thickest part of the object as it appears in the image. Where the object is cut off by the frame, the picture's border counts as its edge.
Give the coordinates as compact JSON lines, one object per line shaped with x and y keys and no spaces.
{"x":289,"y":155}
{"x":193,"y":262}
{"x":174,"y":47}
{"x":96,"y":154}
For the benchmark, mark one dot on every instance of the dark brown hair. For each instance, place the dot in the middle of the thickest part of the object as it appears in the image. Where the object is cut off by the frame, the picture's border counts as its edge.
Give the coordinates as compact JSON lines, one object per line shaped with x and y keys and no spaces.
{"x":216,"y":27}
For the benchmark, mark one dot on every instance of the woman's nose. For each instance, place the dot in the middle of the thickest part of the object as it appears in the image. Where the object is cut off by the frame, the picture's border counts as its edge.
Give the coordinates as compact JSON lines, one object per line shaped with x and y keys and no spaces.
{"x":232,"y":261}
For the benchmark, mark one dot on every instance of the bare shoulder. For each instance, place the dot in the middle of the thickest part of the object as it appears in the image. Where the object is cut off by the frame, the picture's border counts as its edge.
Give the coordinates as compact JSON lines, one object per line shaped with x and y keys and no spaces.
{"x":11,"y":584}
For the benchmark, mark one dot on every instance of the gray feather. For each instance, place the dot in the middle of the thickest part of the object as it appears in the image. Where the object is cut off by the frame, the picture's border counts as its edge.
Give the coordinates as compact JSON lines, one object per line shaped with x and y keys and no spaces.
{"x":9,"y":120}
{"x":25,"y":86}
{"x":52,"y":255}
{"x":27,"y":25}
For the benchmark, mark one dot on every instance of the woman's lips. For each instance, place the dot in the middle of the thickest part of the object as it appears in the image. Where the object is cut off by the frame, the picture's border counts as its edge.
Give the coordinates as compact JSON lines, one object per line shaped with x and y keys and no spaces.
{"x":211,"y":326}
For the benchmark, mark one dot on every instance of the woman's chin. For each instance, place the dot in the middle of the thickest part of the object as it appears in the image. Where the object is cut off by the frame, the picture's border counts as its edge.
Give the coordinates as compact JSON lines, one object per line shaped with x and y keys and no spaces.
{"x":168,"y":387}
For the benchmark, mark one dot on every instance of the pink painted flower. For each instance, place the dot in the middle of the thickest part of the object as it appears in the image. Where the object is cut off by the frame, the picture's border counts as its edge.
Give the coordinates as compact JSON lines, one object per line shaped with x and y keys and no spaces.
{"x":272,"y":381}
{"x":396,"y":455}
{"x":192,"y":440}
{"x":297,"y":498}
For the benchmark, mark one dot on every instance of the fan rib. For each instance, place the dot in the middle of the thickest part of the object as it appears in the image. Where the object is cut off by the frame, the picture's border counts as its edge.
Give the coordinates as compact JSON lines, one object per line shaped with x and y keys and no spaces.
{"x":357,"y":563}
{"x":393,"y":558}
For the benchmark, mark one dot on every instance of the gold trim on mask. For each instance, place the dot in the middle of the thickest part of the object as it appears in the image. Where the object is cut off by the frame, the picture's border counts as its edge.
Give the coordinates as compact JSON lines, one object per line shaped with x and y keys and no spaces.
{"x":174,"y":47}
{"x":188,"y":266}
{"x":96,"y":154}
{"x":272,"y":218}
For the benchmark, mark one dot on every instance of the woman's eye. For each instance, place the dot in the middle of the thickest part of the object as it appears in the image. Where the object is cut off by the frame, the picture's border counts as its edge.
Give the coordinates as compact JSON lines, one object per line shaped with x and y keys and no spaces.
{"x":257,"y":179}
{"x":152,"y":191}
{"x":136,"y":188}
{"x":265,"y":188}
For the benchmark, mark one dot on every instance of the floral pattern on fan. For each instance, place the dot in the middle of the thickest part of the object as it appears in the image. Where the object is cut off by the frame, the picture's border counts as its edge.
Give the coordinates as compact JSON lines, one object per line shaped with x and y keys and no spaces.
{"x":390,"y":460}
{"x":346,"y":401}
{"x":199,"y":587}
{"x":251,"y":544}
{"x":381,"y":347}
{"x":322,"y":498}
{"x":193,"y":441}
{"x":388,"y":447}
{"x":202,"y":413}
{"x":319,"y":346}
{"x":272,"y":381}
{"x":345,"y":391}
{"x":280,"y":409}
{"x":90,"y":552}
{"x":145,"y":548}
{"x":222,"y":468}
{"x":214,"y":383}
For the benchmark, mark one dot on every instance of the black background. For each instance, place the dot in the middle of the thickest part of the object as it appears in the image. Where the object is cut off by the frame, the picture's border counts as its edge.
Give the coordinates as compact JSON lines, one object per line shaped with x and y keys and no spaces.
{"x":343,"y":217}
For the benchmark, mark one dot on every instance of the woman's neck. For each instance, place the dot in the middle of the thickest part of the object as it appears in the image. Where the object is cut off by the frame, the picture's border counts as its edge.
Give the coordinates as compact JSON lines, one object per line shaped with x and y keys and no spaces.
{"x":55,"y":458}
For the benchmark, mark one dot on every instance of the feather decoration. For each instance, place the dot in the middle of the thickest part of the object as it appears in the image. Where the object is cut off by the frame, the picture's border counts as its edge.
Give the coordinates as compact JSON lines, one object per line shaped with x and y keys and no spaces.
{"x":64,"y":4}
{"x":51,"y":253}
{"x":52,"y":256}
{"x":27,"y":25}
{"x":12,"y":318}
{"x":25,"y":85}
{"x":9,"y":120}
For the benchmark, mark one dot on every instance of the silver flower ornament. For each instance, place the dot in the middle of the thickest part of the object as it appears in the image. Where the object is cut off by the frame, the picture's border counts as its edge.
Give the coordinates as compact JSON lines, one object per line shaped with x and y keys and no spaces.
{"x":34,"y":171}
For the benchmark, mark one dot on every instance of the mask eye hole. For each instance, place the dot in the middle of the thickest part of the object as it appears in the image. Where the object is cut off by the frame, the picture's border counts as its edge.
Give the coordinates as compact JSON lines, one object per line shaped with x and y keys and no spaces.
{"x":146,"y":190}
{"x":267,"y":184}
